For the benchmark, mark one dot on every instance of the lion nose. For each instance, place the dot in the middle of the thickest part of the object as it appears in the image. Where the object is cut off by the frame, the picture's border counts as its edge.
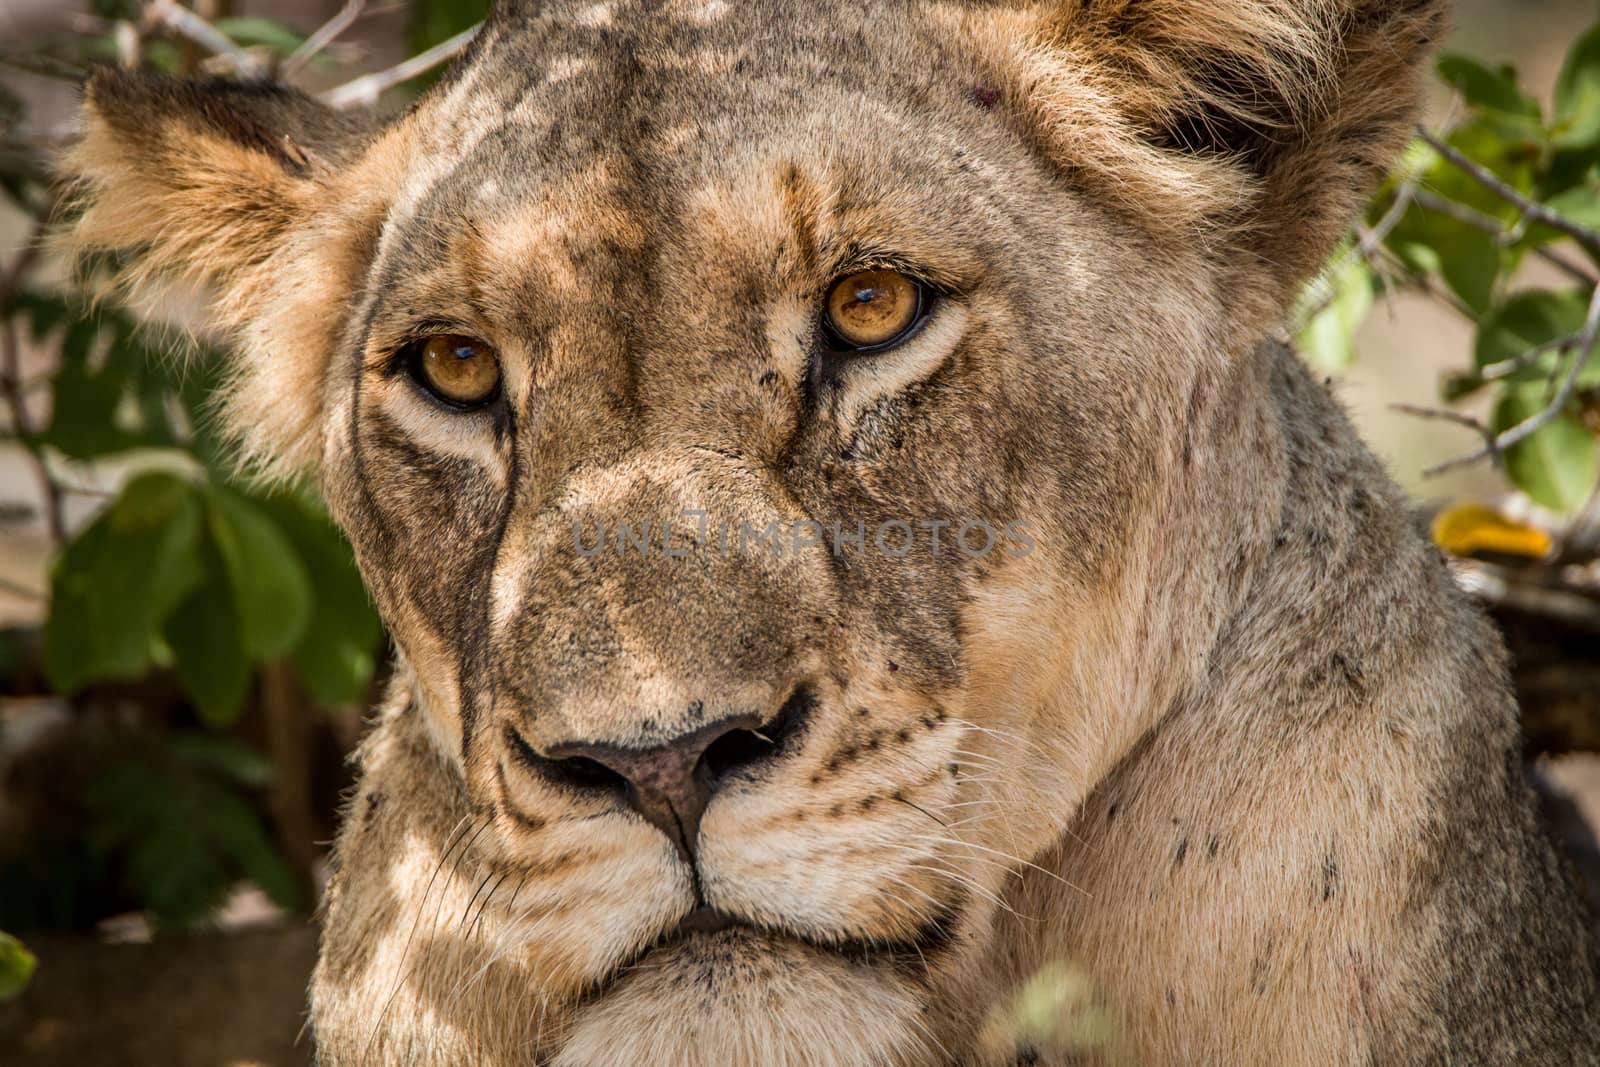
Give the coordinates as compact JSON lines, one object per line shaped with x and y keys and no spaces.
{"x":671,"y":784}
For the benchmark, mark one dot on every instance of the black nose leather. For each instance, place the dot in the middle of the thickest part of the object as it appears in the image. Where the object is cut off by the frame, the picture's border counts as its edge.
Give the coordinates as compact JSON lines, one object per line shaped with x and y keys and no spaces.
{"x":671,"y":784}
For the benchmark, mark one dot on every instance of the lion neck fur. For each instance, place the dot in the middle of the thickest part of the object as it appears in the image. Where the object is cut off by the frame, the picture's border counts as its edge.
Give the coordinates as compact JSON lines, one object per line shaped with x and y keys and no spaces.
{"x":1304,"y":699}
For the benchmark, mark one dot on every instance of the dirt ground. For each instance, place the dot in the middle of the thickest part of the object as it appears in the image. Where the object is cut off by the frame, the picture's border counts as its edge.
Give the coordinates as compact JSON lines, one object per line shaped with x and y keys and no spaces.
{"x":222,"y":1000}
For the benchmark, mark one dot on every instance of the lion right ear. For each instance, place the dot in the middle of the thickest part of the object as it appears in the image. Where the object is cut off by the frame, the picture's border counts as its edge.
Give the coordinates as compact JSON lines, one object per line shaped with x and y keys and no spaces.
{"x":1258,"y":127}
{"x":232,"y":188}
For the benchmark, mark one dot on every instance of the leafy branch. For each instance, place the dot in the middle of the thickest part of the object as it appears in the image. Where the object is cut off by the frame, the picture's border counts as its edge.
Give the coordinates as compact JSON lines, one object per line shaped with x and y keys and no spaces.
{"x":1507,"y":182}
{"x":187,"y":608}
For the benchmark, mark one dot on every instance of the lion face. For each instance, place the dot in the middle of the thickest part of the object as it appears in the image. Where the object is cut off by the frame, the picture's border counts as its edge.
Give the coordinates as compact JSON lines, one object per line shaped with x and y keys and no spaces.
{"x":763,"y":430}
{"x":702,"y":594}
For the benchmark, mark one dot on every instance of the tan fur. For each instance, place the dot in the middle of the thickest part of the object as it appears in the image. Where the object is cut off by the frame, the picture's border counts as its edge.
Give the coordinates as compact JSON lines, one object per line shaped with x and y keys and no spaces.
{"x":1223,"y":771}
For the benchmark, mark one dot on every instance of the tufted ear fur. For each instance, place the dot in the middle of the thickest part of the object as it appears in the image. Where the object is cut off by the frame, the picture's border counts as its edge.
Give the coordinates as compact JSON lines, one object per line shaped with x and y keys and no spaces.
{"x":1258,"y":126}
{"x":233,"y":188}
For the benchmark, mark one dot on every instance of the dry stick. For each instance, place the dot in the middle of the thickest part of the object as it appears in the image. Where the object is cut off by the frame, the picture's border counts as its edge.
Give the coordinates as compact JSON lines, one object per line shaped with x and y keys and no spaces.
{"x":1578,"y":543}
{"x":323,"y":37}
{"x":130,"y":44}
{"x":365,"y":90}
{"x":1532,"y":209}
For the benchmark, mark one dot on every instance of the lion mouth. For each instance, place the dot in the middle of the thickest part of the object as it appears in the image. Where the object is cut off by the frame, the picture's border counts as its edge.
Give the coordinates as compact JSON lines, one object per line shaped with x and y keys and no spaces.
{"x":913,"y":955}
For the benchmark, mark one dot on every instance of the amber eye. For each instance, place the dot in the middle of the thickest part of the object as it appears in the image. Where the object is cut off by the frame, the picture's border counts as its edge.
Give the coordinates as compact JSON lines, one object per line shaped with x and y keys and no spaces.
{"x":461,"y":371}
{"x":874,"y":309}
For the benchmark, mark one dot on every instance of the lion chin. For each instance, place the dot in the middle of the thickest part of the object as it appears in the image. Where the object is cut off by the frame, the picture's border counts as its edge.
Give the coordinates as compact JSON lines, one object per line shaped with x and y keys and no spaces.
{"x":739,"y":996}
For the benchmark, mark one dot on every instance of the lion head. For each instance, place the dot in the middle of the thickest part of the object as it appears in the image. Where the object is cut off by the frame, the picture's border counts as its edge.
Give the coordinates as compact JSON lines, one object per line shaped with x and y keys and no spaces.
{"x":775,"y":436}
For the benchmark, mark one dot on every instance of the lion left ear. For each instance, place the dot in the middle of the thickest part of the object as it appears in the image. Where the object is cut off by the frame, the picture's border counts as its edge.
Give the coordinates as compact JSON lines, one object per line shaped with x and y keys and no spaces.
{"x":232,"y":188}
{"x":1264,"y":124}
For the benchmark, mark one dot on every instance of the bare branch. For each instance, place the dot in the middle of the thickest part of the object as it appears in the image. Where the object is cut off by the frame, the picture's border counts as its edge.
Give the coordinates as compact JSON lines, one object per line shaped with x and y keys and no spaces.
{"x":364,"y":91}
{"x":42,"y":65}
{"x":324,"y":36}
{"x":1532,"y":209}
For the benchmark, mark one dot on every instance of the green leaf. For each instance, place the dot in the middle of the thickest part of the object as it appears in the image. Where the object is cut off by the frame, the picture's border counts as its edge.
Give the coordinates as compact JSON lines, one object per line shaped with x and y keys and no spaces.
{"x":84,"y":413}
{"x":44,"y":312}
{"x":112,"y":403}
{"x":174,"y":821}
{"x":1526,"y":320}
{"x":116,"y":583}
{"x":1577,"y":95}
{"x":1579,"y":204}
{"x":271,"y":590}
{"x":337,"y":655}
{"x":227,"y":758}
{"x":433,"y":21}
{"x":16,"y":966}
{"x":208,"y":649}
{"x":1558,"y":465}
{"x":1470,"y":263}
{"x":1344,"y":295}
{"x":1484,"y":87}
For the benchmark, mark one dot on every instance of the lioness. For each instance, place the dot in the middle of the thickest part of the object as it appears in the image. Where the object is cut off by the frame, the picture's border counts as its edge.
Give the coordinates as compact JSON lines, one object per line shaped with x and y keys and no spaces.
{"x":856,"y":542}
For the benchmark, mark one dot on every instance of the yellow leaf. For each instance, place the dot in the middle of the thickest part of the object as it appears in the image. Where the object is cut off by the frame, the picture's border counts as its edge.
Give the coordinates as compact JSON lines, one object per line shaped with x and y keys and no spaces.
{"x":1471,"y":529}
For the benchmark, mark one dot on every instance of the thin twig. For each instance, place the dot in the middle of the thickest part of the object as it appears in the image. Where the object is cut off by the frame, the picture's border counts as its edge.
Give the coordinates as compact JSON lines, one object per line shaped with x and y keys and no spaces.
{"x":1368,"y":246}
{"x":365,"y":90}
{"x":1494,"y":372}
{"x":324,"y":36}
{"x":1446,"y":415}
{"x":1372,"y":238}
{"x":1497,"y":444}
{"x":1589,"y":239}
{"x":1492,"y":226}
{"x":11,"y":380}
{"x":17,"y":589}
{"x":1426,"y":284}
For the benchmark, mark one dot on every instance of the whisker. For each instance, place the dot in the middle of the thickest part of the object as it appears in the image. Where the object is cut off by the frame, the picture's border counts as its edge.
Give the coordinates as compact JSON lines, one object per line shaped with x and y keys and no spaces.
{"x":455,"y":837}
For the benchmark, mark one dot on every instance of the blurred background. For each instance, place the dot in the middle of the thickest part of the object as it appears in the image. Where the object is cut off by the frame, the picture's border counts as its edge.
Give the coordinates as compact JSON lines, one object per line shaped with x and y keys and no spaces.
{"x":186,"y":657}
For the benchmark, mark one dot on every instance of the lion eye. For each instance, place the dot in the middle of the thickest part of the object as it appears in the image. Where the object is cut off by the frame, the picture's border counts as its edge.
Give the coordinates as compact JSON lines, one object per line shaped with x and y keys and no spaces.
{"x":463,"y":372}
{"x":874,"y":309}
